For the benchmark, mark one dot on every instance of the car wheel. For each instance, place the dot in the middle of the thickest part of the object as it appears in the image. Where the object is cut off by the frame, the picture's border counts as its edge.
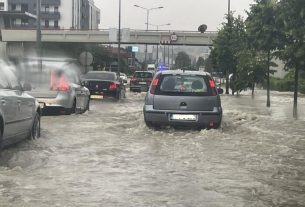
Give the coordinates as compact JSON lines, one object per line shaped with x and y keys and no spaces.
{"x":72,"y":110}
{"x":118,"y":96}
{"x":88,"y":105}
{"x":1,"y":139}
{"x":35,"y":131}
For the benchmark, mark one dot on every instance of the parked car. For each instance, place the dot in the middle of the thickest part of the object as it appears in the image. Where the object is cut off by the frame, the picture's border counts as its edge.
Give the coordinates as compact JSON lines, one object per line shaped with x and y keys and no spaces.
{"x":19,"y":112}
{"x":141,"y":81}
{"x":183,"y":98}
{"x":57,"y":87}
{"x":104,"y":84}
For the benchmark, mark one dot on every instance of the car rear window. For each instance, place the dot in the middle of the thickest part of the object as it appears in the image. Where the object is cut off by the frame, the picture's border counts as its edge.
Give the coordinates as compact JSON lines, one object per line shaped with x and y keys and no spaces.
{"x":183,"y":85}
{"x":143,"y":75}
{"x":101,"y":76}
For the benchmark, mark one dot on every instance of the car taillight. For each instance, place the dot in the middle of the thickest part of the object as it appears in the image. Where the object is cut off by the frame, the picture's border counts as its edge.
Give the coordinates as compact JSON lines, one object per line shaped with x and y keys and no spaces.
{"x":133,"y":79}
{"x":154,"y":85}
{"x":59,"y":83}
{"x":212,"y":85}
{"x":112,"y":86}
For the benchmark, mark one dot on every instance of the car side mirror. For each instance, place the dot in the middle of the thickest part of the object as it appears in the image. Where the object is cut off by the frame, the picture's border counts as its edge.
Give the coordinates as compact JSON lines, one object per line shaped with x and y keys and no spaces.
{"x":27,"y":87}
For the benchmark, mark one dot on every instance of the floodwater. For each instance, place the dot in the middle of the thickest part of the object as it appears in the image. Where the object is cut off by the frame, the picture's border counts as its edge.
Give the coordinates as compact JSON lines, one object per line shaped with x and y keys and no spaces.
{"x":107,"y":157}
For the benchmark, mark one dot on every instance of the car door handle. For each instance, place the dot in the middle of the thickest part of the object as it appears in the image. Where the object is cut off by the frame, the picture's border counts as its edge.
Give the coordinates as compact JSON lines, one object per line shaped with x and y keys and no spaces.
{"x":3,"y":101}
{"x":19,"y":101}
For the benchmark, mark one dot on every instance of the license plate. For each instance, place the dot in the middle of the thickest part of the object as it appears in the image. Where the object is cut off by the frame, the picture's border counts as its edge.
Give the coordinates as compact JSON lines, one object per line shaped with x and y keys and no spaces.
{"x":142,"y":83}
{"x":96,"y":97}
{"x":184,"y":117}
{"x":42,"y":105}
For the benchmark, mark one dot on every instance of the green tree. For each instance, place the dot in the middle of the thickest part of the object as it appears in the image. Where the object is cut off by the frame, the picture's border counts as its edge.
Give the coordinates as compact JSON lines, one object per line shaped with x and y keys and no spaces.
{"x":200,"y":63}
{"x":251,"y":69}
{"x":263,"y":33}
{"x":290,"y":20}
{"x":183,"y":61}
{"x":229,"y":42}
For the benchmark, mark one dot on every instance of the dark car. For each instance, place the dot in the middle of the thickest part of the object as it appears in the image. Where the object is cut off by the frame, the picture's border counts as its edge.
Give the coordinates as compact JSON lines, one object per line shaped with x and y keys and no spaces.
{"x":183,"y":98}
{"x":141,"y":81}
{"x":19,"y":112}
{"x":104,"y":84}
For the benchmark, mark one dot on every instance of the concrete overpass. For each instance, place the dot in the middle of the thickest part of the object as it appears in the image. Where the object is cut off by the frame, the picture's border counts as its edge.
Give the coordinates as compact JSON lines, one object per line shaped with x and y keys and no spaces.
{"x":188,"y":38}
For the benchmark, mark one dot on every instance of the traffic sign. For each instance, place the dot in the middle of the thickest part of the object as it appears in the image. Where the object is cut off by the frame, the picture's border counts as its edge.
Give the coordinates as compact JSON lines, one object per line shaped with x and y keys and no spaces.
{"x":86,"y":58}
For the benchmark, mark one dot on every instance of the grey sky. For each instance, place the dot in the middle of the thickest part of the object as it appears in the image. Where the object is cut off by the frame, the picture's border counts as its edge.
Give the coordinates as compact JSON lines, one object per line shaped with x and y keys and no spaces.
{"x":182,"y":14}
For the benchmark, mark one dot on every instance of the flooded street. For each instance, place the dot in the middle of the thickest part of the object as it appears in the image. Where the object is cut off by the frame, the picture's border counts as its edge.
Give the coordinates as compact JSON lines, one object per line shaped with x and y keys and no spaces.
{"x":108,"y":157}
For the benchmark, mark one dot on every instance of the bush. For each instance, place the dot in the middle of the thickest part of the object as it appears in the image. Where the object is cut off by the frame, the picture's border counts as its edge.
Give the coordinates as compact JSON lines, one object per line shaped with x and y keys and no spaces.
{"x":286,"y":84}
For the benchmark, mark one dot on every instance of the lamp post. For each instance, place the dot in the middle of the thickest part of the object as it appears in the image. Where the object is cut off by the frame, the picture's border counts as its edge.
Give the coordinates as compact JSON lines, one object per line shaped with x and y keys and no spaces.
{"x":147,"y":23}
{"x":119,"y":40}
{"x":38,"y":36}
{"x":227,"y":70}
{"x":159,"y":25}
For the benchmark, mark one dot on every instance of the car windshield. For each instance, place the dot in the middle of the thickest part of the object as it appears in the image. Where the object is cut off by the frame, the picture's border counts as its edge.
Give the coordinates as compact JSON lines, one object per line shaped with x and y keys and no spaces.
{"x":143,"y":75}
{"x":192,"y":85}
{"x":100,"y":76}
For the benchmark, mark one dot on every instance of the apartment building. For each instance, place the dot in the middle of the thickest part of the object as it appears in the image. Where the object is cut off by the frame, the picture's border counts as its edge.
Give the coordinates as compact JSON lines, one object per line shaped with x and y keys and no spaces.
{"x":55,"y":14}
{"x":3,"y":5}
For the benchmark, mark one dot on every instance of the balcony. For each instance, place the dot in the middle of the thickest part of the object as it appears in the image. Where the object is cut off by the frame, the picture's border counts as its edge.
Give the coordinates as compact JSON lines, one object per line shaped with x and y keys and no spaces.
{"x":50,"y":15}
{"x":51,"y":2}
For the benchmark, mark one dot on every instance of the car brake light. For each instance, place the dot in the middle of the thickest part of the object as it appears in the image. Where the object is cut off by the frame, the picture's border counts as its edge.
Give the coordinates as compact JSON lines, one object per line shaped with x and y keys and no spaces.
{"x":59,"y":83}
{"x":212,"y":84}
{"x":154,"y":85}
{"x":112,"y":86}
{"x":133,"y":79}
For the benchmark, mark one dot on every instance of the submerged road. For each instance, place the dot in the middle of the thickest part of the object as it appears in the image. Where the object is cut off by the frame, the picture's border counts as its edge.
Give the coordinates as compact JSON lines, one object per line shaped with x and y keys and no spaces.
{"x":108,"y":157}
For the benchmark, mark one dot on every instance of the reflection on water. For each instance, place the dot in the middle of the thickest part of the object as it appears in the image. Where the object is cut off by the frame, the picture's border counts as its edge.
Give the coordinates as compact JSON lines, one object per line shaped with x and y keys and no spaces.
{"x":107,"y":157}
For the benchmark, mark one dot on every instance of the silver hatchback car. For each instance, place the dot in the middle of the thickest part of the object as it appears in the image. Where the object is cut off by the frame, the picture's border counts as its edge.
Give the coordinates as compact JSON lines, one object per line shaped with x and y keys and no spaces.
{"x":19,"y":112}
{"x":57,"y":87}
{"x":183,"y":98}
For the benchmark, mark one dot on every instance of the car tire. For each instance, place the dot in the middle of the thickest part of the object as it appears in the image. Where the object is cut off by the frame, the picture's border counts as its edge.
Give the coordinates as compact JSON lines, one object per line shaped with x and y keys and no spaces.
{"x":88,"y":105}
{"x":35,"y":130}
{"x":72,"y":110}
{"x":118,"y":96}
{"x":1,"y":139}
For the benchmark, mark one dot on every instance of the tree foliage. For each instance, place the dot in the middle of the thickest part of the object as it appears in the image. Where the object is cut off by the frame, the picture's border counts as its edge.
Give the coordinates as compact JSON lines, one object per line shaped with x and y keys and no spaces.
{"x":183,"y":61}
{"x":262,"y":32}
{"x":291,"y":23}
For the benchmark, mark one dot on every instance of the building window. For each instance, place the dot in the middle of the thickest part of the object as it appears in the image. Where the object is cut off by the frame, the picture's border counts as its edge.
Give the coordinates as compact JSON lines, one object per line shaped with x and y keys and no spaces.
{"x":55,"y":9}
{"x":24,"y":7}
{"x":46,"y":23}
{"x":14,"y":7}
{"x":1,"y":6}
{"x":47,"y":9}
{"x":56,"y":23}
{"x":24,"y":22}
{"x":14,"y":22}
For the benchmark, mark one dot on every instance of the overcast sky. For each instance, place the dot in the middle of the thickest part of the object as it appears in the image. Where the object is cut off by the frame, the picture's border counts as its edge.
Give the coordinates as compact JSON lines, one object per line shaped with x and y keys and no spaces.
{"x":181,"y":14}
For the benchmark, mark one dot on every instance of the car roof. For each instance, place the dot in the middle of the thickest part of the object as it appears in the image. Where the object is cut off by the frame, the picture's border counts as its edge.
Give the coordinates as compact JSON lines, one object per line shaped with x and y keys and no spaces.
{"x":143,"y":71}
{"x":183,"y":72}
{"x":106,"y":72}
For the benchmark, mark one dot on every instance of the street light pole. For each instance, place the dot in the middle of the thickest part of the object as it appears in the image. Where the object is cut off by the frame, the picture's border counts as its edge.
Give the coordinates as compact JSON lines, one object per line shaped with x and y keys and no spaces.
{"x":38,"y":36}
{"x":147,"y":23}
{"x":119,"y":40}
{"x":227,"y":69}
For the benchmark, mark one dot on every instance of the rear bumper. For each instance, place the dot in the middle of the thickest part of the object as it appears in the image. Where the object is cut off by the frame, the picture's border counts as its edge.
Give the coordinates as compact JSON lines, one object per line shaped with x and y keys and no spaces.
{"x":104,"y":93}
{"x":62,"y":101}
{"x":204,"y":118}
{"x":138,"y":87}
